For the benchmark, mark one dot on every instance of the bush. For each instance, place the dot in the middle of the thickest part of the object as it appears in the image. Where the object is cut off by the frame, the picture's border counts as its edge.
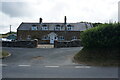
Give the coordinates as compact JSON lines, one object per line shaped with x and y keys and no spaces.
{"x":104,"y":35}
{"x":98,"y":56}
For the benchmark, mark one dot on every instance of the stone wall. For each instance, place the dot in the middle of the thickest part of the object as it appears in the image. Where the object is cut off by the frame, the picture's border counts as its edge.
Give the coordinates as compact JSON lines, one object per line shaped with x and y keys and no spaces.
{"x":24,"y":44}
{"x":75,"y":43}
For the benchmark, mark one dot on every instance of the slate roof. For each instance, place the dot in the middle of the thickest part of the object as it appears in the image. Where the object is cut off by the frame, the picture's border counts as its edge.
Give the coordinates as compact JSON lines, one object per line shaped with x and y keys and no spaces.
{"x":51,"y":26}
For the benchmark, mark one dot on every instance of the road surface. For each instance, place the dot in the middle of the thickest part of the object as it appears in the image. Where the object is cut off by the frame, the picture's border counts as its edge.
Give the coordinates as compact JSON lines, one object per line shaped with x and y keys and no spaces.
{"x":50,"y":63}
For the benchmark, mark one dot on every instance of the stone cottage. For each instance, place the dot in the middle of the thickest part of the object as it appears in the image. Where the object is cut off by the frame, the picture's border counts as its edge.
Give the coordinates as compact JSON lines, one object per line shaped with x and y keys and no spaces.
{"x":50,"y":32}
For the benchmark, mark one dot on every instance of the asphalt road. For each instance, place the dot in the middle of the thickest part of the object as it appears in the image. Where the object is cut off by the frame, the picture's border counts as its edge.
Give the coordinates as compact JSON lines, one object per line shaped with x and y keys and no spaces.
{"x":50,"y":63}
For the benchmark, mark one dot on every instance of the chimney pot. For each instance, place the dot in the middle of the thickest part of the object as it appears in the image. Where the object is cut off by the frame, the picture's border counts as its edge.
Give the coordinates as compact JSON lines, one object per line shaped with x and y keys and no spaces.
{"x":65,"y":20}
{"x":40,"y":20}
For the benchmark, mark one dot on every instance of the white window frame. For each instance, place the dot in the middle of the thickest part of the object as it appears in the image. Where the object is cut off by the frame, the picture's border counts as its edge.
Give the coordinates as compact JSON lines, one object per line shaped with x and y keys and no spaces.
{"x":61,"y":38}
{"x":44,"y":27}
{"x":58,"y":27}
{"x":69,"y":27}
{"x":34,"y":28}
{"x":28,"y":37}
{"x":45,"y":37}
{"x":74,"y":38}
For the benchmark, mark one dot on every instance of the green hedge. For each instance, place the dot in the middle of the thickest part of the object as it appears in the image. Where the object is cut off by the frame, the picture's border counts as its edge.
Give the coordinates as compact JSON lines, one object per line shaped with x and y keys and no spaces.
{"x":105,"y":35}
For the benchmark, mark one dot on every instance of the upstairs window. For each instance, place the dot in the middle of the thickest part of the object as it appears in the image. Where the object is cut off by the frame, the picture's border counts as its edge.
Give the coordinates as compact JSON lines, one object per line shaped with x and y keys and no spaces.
{"x":34,"y":27}
{"x":69,"y":27}
{"x":44,"y":27}
{"x":58,"y":27}
{"x":61,"y":37}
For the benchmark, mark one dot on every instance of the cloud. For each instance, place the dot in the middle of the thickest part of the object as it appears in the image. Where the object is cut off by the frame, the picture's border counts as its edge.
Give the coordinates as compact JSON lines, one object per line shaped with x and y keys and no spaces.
{"x":16,"y":11}
{"x":7,"y":21}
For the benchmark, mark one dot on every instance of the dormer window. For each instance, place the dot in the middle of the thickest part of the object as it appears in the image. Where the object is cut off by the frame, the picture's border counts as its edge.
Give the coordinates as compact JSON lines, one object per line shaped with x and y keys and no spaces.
{"x":57,"y":27}
{"x":34,"y":27}
{"x":69,"y":27}
{"x":44,"y":27}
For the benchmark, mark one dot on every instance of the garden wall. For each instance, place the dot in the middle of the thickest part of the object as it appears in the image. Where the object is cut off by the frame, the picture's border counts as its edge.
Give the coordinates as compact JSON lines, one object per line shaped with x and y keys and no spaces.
{"x":24,"y":44}
{"x":75,"y":43}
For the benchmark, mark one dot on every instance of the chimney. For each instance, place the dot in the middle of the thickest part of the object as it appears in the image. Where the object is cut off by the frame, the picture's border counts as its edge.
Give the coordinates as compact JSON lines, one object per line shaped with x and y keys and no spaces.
{"x":40,"y":20}
{"x":65,"y":20}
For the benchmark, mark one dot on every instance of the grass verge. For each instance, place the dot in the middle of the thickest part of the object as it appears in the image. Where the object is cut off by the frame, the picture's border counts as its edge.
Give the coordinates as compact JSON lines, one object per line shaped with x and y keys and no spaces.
{"x":98,"y":56}
{"x":4,"y":54}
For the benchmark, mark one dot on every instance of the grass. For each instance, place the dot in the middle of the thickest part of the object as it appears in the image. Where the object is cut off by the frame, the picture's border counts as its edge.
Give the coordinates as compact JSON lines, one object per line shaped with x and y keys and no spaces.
{"x":98,"y":56}
{"x":6,"y":34}
{"x":3,"y":54}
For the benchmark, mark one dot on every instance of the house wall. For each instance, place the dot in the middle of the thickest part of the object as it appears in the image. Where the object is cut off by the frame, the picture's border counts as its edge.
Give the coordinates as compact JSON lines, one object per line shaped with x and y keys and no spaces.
{"x":23,"y":34}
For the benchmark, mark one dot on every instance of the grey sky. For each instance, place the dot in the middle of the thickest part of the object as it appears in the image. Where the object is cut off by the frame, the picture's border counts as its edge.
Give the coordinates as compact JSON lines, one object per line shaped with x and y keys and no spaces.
{"x":16,"y":11}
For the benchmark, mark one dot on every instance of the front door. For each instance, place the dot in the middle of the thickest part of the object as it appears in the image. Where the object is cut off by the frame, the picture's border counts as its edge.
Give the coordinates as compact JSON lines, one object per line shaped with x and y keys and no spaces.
{"x":52,"y":37}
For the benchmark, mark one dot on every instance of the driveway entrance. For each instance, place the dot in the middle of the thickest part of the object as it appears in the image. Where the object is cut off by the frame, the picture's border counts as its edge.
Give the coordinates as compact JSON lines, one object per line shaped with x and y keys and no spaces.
{"x":45,"y":46}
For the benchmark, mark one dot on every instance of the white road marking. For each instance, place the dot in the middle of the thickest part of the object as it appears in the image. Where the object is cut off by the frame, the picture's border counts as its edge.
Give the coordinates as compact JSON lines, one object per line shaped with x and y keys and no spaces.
{"x":82,"y":67}
{"x":65,"y":48}
{"x":52,"y":66}
{"x":24,"y":65}
{"x":73,"y":63}
{"x":3,"y":65}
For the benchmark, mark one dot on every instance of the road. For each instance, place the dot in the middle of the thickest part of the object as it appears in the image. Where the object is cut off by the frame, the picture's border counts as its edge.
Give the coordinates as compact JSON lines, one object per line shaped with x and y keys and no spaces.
{"x":50,"y":63}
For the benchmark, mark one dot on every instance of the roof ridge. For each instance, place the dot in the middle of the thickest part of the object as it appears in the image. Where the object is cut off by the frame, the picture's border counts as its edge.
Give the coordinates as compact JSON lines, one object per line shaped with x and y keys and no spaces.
{"x":47,"y":23}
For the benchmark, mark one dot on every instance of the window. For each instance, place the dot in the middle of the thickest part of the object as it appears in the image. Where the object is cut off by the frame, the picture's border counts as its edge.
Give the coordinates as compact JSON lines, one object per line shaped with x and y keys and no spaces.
{"x":28,"y":37}
{"x":34,"y":27}
{"x":20,"y":37}
{"x":55,"y":37}
{"x":57,"y":27}
{"x":61,"y":37}
{"x":45,"y":37}
{"x":69,"y":27}
{"x":44,"y":27}
{"x":74,"y":37}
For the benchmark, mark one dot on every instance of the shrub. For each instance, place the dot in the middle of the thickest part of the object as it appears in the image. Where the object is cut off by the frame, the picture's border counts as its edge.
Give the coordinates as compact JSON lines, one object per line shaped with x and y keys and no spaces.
{"x":104,"y":35}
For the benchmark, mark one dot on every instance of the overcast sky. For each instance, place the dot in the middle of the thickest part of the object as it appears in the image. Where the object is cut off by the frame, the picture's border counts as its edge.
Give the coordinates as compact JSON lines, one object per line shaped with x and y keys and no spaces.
{"x":13,"y":12}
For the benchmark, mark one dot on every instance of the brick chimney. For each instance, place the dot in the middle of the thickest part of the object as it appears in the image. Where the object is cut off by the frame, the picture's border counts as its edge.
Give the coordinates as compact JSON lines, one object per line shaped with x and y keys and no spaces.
{"x":65,"y":20}
{"x":40,"y":20}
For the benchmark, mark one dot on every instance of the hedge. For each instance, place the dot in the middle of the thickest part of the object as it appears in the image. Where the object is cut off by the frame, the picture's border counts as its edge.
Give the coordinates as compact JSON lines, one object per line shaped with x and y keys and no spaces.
{"x":104,"y":35}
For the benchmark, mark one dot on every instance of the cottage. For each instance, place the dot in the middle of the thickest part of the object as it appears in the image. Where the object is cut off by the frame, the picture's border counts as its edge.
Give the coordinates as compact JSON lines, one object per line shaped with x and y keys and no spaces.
{"x":50,"y":32}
